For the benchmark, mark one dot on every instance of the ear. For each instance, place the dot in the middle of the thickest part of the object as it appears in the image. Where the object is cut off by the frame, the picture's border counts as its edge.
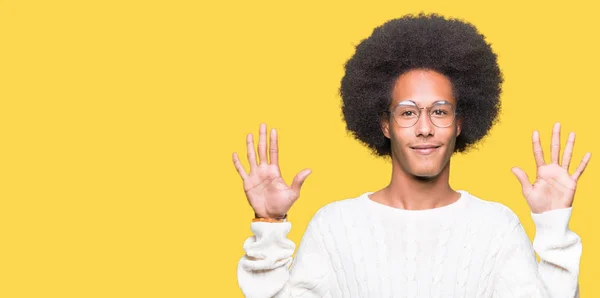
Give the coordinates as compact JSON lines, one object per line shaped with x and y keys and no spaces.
{"x":458,"y":126}
{"x":385,"y":125}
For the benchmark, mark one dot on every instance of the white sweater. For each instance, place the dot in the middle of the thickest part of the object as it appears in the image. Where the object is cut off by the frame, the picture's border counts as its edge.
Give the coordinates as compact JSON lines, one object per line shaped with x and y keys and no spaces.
{"x":360,"y":248}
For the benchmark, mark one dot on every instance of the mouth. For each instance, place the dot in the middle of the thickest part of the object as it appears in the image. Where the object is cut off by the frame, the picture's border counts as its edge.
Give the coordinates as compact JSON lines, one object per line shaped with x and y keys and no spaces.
{"x":425,"y":150}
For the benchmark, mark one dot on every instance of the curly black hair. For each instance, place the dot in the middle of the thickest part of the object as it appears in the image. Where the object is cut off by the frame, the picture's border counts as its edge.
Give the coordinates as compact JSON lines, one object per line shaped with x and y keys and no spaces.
{"x":450,"y":46}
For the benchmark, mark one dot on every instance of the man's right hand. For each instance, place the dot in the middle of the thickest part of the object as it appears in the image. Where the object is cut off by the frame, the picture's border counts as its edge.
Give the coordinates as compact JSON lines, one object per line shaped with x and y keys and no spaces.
{"x":267,"y":193}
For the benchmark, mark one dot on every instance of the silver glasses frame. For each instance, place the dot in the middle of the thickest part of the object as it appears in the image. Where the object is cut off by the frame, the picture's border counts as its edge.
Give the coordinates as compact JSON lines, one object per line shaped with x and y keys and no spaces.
{"x":439,"y":102}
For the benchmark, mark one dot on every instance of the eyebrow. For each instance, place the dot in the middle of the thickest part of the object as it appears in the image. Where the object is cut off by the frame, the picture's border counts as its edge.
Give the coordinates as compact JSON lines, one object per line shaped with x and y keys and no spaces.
{"x":412,"y":103}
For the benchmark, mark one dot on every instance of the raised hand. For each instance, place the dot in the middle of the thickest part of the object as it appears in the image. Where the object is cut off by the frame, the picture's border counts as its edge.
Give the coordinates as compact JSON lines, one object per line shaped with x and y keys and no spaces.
{"x":554,"y":187}
{"x":267,"y":193}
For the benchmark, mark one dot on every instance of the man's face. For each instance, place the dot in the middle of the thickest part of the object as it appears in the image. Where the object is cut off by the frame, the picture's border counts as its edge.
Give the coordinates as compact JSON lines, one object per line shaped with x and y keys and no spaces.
{"x":423,"y":87}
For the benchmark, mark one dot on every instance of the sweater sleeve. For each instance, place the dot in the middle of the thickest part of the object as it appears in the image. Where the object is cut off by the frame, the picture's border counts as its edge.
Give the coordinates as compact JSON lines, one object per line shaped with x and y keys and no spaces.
{"x":559,"y":249}
{"x":264,"y":271}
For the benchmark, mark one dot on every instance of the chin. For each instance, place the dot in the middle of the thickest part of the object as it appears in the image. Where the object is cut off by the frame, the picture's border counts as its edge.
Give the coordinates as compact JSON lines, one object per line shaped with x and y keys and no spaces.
{"x":421,"y":169}
{"x":427,"y":177}
{"x":426,"y":168}
{"x":426,"y":174}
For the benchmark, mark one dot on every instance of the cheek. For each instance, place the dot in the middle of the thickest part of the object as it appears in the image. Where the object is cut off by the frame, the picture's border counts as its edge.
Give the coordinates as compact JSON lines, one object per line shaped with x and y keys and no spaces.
{"x":400,"y":138}
{"x":400,"y":135}
{"x":451,"y":143}
{"x":399,"y":145}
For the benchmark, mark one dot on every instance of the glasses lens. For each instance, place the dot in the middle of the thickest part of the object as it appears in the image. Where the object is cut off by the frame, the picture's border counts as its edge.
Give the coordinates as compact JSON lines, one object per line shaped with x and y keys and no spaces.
{"x":406,"y":115}
{"x":442,"y":115}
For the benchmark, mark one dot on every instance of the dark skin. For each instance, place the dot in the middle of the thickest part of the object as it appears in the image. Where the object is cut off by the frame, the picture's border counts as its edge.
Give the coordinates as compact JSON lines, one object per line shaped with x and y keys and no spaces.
{"x":420,"y":181}
{"x":420,"y":177}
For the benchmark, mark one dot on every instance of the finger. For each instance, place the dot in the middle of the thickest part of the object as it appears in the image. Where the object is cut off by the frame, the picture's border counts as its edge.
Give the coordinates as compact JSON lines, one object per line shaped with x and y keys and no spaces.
{"x":262,"y":143}
{"x":239,"y":167}
{"x":538,"y":153}
{"x":251,"y":153}
{"x":274,"y":148}
{"x":555,"y":144}
{"x":299,"y":180}
{"x":582,"y":165}
{"x":566,"y":161}
{"x":523,"y":179}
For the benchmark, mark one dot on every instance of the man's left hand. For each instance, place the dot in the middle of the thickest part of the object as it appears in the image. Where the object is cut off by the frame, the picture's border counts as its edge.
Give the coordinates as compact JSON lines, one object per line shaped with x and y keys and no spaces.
{"x":554,"y":187}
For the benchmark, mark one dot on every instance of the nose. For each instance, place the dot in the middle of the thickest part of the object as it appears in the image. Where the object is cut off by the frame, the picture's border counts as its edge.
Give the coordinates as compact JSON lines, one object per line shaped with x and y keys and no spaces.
{"x":424,"y":126}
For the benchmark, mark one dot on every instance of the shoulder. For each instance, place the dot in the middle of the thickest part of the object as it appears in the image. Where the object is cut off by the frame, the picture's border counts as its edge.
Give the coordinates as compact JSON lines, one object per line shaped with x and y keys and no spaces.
{"x":345,"y":204}
{"x":345,"y":207}
{"x":493,"y":213}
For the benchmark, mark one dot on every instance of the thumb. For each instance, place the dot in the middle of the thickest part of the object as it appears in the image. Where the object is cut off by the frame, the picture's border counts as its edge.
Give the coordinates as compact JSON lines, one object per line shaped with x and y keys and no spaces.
{"x":299,"y":180}
{"x":523,"y":179}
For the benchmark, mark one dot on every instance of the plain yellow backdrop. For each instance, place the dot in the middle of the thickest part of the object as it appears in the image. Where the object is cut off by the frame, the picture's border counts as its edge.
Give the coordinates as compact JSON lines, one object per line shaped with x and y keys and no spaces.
{"x":118,"y":120}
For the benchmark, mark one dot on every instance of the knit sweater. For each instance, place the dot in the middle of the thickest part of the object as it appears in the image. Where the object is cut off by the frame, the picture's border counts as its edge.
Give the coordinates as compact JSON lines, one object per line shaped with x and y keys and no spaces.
{"x":361,"y":248}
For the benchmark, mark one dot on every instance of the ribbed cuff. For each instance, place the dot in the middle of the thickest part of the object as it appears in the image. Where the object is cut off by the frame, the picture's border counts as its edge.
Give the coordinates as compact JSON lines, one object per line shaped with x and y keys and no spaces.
{"x":270,"y":232}
{"x":553,"y":223}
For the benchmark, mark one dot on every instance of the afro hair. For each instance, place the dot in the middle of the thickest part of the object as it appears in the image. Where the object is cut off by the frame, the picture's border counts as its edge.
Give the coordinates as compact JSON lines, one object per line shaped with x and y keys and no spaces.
{"x":451,"y":47}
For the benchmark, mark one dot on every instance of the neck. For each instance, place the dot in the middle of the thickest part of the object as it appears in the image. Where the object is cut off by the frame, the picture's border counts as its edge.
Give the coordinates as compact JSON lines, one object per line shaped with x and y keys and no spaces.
{"x":409,"y":192}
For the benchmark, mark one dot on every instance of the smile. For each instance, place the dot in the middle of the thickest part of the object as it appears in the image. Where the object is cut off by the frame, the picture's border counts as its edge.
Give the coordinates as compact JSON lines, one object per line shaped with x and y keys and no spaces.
{"x":425,"y":150}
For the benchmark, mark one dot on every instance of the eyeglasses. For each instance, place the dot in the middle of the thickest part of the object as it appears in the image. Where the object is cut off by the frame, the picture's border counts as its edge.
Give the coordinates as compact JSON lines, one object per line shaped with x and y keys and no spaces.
{"x":407,"y":113}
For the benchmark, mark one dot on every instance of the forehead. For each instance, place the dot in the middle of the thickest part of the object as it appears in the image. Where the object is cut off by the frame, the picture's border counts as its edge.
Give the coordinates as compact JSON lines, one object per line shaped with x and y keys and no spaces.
{"x":424,"y":87}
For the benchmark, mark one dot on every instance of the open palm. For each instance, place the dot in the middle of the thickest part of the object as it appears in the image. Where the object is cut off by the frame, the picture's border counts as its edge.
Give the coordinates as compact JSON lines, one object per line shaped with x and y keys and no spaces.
{"x":265,"y":189}
{"x":554,"y":187}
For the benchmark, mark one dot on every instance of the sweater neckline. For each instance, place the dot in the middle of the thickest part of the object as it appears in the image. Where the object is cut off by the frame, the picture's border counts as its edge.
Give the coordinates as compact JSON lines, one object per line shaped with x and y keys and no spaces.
{"x":450,"y":208}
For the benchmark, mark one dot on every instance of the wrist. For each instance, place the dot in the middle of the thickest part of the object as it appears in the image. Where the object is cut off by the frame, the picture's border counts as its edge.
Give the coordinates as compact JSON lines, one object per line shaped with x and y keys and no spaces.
{"x":276,"y":218}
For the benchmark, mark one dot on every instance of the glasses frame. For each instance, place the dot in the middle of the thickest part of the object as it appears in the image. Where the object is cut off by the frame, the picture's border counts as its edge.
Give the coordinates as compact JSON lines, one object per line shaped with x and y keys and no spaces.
{"x":392,"y":112}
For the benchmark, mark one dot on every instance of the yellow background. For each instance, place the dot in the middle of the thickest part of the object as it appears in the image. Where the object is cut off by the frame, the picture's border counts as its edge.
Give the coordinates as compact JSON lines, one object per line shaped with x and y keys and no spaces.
{"x":118,"y":120}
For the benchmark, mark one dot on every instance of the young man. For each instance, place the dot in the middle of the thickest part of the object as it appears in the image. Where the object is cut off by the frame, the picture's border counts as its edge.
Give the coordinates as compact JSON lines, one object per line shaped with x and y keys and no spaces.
{"x":417,"y":90}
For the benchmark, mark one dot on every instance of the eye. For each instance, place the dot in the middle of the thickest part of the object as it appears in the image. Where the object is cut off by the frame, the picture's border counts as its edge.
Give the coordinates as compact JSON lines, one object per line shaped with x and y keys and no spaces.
{"x":440,"y":112}
{"x":407,"y":113}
